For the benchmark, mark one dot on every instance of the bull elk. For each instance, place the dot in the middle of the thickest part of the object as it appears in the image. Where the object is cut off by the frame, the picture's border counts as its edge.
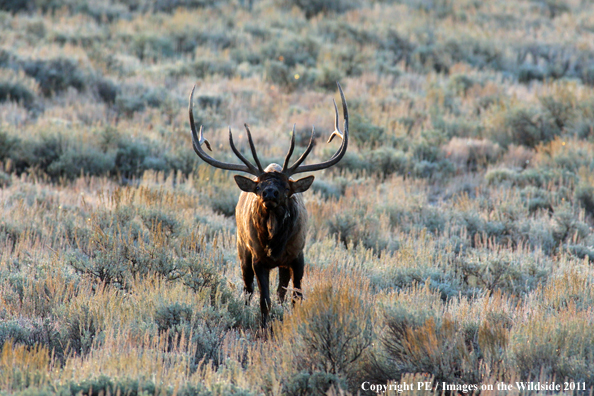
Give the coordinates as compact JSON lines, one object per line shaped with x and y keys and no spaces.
{"x":271,"y":217}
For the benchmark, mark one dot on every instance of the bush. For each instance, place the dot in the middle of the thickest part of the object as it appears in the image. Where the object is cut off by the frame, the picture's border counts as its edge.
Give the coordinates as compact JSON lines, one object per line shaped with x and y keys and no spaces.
{"x":289,"y":78}
{"x":16,"y":92}
{"x":31,"y":333}
{"x":38,"y":154}
{"x":16,"y":5}
{"x":312,"y":8}
{"x":8,"y":144}
{"x":529,"y":72}
{"x":471,"y":154}
{"x":328,"y":335}
{"x":82,"y":330}
{"x":496,"y":272}
{"x":15,"y":86}
{"x":130,"y":159}
{"x":173,"y":317}
{"x":461,"y":83}
{"x":293,"y":50}
{"x":56,"y":75}
{"x":441,"y":347}
{"x":328,"y":77}
{"x":137,"y":98}
{"x":560,"y":347}
{"x":77,"y":161}
{"x":107,"y":90}
{"x":364,"y":133}
{"x":387,"y":161}
{"x":584,"y":195}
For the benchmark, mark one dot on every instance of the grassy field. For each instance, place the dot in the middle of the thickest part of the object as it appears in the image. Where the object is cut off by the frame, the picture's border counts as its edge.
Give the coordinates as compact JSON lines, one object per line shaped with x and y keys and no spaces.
{"x":453,"y":244}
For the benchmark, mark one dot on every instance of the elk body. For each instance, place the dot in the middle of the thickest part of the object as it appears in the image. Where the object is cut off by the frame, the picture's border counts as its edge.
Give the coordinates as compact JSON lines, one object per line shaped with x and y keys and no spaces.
{"x":271,"y":217}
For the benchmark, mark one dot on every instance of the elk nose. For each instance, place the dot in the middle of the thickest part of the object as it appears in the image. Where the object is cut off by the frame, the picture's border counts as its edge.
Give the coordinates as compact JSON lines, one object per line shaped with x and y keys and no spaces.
{"x":270,"y":193}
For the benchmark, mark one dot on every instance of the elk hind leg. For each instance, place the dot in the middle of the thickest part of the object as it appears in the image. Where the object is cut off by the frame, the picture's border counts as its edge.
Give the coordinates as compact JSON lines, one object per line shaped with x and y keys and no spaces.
{"x":284,"y":276}
{"x":297,"y":269}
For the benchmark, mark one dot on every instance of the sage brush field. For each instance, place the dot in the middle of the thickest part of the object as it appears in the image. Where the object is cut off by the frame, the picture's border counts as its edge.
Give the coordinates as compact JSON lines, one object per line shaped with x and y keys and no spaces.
{"x":453,"y":243}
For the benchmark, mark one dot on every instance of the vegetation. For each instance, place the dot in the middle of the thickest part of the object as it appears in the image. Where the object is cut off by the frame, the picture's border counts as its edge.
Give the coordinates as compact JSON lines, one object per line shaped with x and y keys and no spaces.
{"x":454,"y":242}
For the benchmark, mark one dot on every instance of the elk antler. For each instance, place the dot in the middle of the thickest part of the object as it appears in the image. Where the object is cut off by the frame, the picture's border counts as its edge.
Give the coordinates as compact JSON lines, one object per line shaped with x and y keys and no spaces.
{"x":198,"y":141}
{"x":297,"y":168}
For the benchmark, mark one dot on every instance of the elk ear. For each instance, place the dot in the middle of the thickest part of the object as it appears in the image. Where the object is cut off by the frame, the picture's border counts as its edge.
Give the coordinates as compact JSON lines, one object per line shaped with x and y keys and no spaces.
{"x":245,"y":184}
{"x":301,"y":185}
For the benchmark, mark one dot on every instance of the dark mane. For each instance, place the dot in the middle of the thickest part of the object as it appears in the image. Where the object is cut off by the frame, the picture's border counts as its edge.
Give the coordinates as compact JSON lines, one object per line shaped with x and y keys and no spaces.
{"x":275,"y":227}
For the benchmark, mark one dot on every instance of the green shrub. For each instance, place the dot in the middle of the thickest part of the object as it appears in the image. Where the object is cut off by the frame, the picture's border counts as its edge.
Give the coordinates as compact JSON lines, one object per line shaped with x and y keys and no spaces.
{"x":315,"y":383}
{"x":107,"y":90}
{"x":567,"y":226}
{"x":498,"y":272}
{"x":204,"y":67}
{"x":173,"y":317}
{"x":103,"y":385}
{"x":529,"y":72}
{"x":224,"y":204}
{"x":526,"y":126}
{"x":150,"y":46}
{"x":202,"y":274}
{"x":561,"y":110}
{"x":130,"y":157}
{"x":584,"y":195}
{"x":588,"y":75}
{"x":312,"y":8}
{"x":426,"y":169}
{"x":364,"y":133}
{"x":77,"y":161}
{"x":461,"y":83}
{"x":38,"y":154}
{"x":328,"y":336}
{"x":293,"y":50}
{"x":56,"y":75}
{"x":5,"y":179}
{"x":471,"y":154}
{"x":560,"y":347}
{"x":31,"y":333}
{"x":387,"y":161}
{"x":290,"y":78}
{"x":135,"y":99}
{"x":82,"y":330}
{"x":14,"y":91}
{"x":328,"y":77}
{"x":553,"y":8}
{"x":16,"y":5}
{"x":441,"y":347}
{"x":8,"y":144}
{"x":326,"y":189}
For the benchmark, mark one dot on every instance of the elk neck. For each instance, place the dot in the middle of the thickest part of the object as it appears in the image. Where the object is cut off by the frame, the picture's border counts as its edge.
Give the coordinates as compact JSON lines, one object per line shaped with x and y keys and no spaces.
{"x":275,"y":227}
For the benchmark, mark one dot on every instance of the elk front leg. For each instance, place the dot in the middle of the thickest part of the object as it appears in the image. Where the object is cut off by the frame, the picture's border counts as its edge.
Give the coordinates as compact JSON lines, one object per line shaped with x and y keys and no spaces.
{"x":248,"y":273}
{"x":284,"y":276}
{"x":262,"y":275}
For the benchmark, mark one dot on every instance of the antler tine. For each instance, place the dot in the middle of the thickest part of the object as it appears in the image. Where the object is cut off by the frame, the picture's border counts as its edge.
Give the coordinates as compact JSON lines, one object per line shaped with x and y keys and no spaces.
{"x":336,"y":127}
{"x":296,"y":168}
{"x":291,"y":148}
{"x":253,"y":148}
{"x":242,"y":158}
{"x":197,"y":145}
{"x":310,"y":145}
